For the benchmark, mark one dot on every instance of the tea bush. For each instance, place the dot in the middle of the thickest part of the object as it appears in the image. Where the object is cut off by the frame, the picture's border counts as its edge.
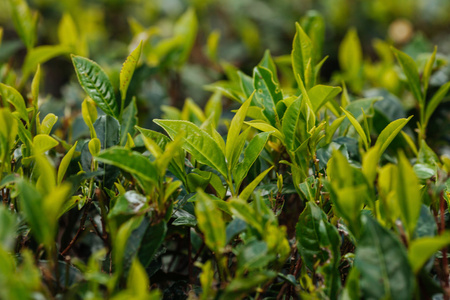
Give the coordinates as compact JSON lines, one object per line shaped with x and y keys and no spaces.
{"x":309,"y":189}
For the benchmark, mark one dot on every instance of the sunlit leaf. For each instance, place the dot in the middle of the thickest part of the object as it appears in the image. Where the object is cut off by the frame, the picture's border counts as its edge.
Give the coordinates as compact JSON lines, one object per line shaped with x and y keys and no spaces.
{"x":96,"y":84}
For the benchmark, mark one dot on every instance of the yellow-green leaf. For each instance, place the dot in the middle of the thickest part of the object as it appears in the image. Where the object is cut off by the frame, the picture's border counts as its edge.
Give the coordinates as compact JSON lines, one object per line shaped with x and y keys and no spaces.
{"x":358,"y":127}
{"x":12,"y":96}
{"x":43,"y":143}
{"x":65,"y":163}
{"x":247,"y":192}
{"x":408,"y":194}
{"x":89,"y":113}
{"x":422,"y":249}
{"x":47,"y":123}
{"x":389,"y":133}
{"x":210,"y":222}
{"x":409,"y":67}
{"x":127,"y":71}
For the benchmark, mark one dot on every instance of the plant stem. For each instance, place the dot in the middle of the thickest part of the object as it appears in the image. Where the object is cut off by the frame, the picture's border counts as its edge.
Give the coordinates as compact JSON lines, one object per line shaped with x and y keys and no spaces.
{"x":80,"y":229}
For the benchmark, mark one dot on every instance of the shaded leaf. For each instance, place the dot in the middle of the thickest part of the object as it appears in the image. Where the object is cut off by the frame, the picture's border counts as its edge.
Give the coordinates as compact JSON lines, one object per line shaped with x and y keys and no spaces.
{"x":381,"y":259}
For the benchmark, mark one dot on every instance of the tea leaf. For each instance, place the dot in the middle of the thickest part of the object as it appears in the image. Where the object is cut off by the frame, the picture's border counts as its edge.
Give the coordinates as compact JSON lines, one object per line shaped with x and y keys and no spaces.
{"x":94,"y":146}
{"x":11,"y":95}
{"x":65,"y":163}
{"x":389,"y":133}
{"x":24,"y":21}
{"x":350,"y":54}
{"x":268,"y":63}
{"x":435,"y":101}
{"x":197,"y":142}
{"x":234,"y":130}
{"x":267,"y":93}
{"x":31,"y":204}
{"x":89,"y":113}
{"x":409,"y":67}
{"x":47,"y":124}
{"x":427,"y":71}
{"x":96,"y":84}
{"x":251,"y":153}
{"x":290,"y":122}
{"x":246,"y":84}
{"x":129,"y":120}
{"x":127,"y":71}
{"x":43,"y":143}
{"x":358,"y":127}
{"x":210,"y":222}
{"x":408,"y":194}
{"x":40,"y":55}
{"x":250,"y":188}
{"x":381,"y":259}
{"x":186,"y":29}
{"x":35,"y":87}
{"x":302,"y":49}
{"x":421,"y":250}
{"x":314,"y":233}
{"x":8,"y":132}
{"x":137,"y":282}
{"x":151,"y":241}
{"x":320,"y":94}
{"x":67,"y":32}
{"x":107,"y":130}
{"x":130,"y":161}
{"x":263,"y":126}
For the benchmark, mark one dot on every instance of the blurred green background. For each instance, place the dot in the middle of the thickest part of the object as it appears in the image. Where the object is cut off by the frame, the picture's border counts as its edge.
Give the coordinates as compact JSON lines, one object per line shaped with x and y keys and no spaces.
{"x":190,"y":44}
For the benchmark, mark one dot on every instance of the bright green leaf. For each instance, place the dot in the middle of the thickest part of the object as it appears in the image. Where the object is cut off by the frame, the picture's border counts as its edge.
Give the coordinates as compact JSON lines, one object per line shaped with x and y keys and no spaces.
{"x":127,"y":71}
{"x":130,"y":161}
{"x":409,"y":67}
{"x":210,"y":222}
{"x":96,"y":84}
{"x":197,"y":142}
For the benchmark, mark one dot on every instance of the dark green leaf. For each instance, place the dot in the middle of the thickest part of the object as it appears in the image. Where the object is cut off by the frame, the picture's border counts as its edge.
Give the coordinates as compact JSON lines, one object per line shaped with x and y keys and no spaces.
{"x":267,"y":93}
{"x":129,"y":120}
{"x":251,"y":153}
{"x":130,"y":161}
{"x":412,"y":74}
{"x":96,"y":84}
{"x":151,"y":241}
{"x":383,"y":264}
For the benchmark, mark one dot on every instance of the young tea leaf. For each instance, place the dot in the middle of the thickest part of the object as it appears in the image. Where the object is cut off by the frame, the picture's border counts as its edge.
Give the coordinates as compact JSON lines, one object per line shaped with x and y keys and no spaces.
{"x":435,"y":101}
{"x":127,"y":71}
{"x":408,"y":194}
{"x":12,"y":96}
{"x":358,"y":128}
{"x":197,"y":142}
{"x":302,"y":52}
{"x":267,"y":93}
{"x":389,"y":133}
{"x":409,"y":67}
{"x":210,"y":222}
{"x":65,"y":163}
{"x":421,"y":250}
{"x":96,"y":84}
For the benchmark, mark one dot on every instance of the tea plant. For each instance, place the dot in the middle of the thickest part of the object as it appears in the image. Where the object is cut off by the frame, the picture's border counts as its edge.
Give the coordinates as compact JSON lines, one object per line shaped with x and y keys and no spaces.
{"x":307,"y":191}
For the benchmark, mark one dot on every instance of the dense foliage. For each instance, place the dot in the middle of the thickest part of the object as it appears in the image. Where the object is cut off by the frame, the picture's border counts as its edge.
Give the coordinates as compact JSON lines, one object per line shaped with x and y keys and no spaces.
{"x":285,"y":184}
